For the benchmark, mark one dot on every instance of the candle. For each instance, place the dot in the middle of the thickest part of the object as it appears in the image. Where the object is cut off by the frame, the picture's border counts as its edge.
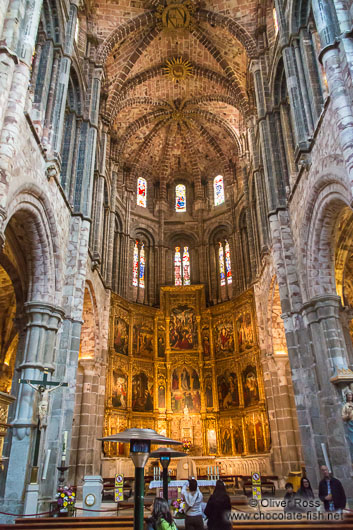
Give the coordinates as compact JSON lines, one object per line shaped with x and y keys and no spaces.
{"x":63,"y":456}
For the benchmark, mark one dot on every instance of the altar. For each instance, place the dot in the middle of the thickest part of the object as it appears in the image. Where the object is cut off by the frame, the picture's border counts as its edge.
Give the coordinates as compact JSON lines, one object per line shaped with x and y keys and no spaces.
{"x":174,"y":487}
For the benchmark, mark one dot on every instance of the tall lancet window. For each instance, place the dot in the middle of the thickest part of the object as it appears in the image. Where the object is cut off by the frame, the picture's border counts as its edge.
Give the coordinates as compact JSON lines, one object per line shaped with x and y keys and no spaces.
{"x":135,"y":265}
{"x":142,"y":266}
{"x":228,"y":263}
{"x":141,"y":192}
{"x":218,"y":190}
{"x":221,"y":264}
{"x":177,"y":267}
{"x":180,"y":198}
{"x":139,"y":265}
{"x":186,"y":266}
{"x":225,"y":272}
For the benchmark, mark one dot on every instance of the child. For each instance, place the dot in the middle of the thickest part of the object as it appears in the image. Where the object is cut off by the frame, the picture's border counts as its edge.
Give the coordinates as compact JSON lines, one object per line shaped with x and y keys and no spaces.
{"x":161,"y":518}
{"x":289,"y":498}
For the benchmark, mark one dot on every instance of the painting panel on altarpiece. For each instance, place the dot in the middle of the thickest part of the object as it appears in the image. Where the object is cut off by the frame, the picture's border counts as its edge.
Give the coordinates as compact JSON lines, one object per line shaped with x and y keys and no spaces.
{"x":142,"y":393}
{"x":161,"y":343}
{"x":183,"y":328}
{"x":119,"y":390}
{"x":245,"y":332}
{"x":121,"y":336}
{"x":205,"y":338}
{"x":228,"y":392}
{"x":250,"y":386}
{"x":162,"y":377}
{"x":224,"y":338}
{"x":238,"y":438}
{"x":255,"y":434}
{"x":186,"y":389}
{"x":142,"y":342}
{"x":226,"y":442}
{"x":211,"y":442}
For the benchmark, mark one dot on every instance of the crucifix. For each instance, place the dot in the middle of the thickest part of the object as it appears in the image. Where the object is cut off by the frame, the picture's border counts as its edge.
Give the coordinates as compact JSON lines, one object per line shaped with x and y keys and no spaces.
{"x":43,"y":404}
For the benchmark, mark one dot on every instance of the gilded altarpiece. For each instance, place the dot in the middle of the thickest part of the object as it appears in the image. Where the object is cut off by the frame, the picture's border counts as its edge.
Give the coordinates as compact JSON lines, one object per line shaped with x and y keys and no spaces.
{"x":188,"y":371}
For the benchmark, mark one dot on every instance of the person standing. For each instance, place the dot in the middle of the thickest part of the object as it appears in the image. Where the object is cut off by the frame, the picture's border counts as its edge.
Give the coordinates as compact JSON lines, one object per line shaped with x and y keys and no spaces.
{"x":218,"y":507}
{"x":193,"y":500}
{"x":331,"y":492}
{"x":289,"y":498}
{"x":304,"y":494}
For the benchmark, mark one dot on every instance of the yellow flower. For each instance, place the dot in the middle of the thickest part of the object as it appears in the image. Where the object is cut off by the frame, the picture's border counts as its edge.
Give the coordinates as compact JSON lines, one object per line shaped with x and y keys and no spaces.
{"x":65,"y":503}
{"x":62,"y":495}
{"x":73,"y":494}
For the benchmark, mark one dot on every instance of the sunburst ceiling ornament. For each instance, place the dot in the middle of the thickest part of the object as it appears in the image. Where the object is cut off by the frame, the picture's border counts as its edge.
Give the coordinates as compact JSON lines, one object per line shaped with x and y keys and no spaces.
{"x":178,"y":69}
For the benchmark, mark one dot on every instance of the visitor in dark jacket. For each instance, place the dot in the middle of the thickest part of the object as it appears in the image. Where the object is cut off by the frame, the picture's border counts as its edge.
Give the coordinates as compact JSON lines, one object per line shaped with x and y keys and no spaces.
{"x":289,"y":498}
{"x":331,"y":492}
{"x":217,"y":509}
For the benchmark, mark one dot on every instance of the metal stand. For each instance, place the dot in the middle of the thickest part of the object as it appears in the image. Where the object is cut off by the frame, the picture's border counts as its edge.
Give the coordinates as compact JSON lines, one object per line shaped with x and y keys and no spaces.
{"x":61,"y":478}
{"x":139,"y":498}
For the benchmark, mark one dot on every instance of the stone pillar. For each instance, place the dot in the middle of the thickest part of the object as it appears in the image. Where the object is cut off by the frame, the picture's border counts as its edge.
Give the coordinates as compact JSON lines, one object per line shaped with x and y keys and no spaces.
{"x":88,"y":445}
{"x":63,"y":81}
{"x":42,"y":324}
{"x":18,"y":40}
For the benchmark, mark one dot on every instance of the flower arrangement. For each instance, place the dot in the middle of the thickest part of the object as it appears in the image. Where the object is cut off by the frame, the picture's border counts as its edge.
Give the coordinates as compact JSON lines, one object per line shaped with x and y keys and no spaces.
{"x":66,"y":497}
{"x":178,"y":506}
{"x":186,"y":444}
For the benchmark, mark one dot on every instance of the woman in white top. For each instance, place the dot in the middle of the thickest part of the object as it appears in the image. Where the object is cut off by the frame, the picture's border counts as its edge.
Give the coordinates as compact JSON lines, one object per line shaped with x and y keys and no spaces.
{"x":193,"y":500}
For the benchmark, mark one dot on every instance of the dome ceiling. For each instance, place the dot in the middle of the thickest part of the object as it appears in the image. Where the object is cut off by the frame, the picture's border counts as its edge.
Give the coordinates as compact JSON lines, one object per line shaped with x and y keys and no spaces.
{"x":175,"y":87}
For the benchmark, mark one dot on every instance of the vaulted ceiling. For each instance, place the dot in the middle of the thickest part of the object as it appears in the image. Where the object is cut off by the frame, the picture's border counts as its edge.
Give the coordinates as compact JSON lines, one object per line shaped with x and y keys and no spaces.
{"x":176,"y":90}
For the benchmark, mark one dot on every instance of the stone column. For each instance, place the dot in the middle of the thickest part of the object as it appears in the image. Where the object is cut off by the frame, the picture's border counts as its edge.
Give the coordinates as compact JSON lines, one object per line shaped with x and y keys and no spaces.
{"x":42,"y":324}
{"x":14,"y":81}
{"x":63,"y":81}
{"x":88,"y":446}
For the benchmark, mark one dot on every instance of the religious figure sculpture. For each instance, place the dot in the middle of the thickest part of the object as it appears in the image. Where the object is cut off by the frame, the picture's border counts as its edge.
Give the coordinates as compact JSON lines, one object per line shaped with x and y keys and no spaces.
{"x":347,"y":417}
{"x":43,"y":401}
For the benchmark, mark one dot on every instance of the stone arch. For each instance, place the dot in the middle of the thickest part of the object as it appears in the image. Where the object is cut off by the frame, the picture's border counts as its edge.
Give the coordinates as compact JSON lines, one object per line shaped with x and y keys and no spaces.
{"x":31,"y":216}
{"x":320,"y":273}
{"x":232,"y":26}
{"x":120,"y":33}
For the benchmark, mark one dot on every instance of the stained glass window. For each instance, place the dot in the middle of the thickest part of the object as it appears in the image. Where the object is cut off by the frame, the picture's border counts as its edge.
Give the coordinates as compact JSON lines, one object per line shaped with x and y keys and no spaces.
{"x":135,"y":264}
{"x":180,"y":198}
{"x":142,"y":266}
{"x":218,"y":190}
{"x":177,"y":267}
{"x":221,"y":264}
{"x":186,"y":266}
{"x":228,"y":263}
{"x":141,"y":192}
